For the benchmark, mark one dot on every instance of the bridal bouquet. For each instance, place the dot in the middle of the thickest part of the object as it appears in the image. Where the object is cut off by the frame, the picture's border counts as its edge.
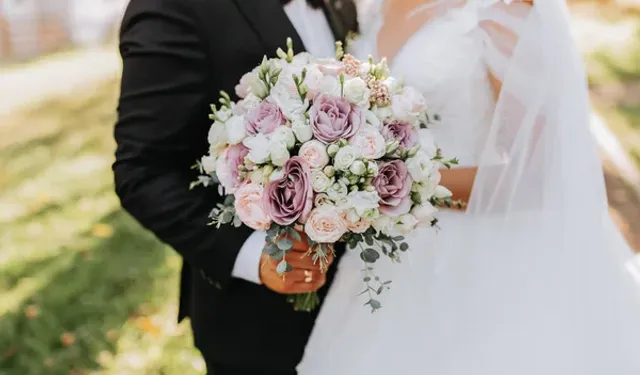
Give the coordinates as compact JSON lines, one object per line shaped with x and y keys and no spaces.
{"x":330,"y":147}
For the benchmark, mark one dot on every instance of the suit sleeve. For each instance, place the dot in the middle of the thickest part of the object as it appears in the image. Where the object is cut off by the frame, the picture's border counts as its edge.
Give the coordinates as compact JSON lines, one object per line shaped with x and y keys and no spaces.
{"x":165,"y":79}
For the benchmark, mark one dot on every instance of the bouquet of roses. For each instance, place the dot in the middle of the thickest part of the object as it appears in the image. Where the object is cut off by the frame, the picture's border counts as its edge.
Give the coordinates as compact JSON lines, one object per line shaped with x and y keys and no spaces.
{"x":333,"y":147}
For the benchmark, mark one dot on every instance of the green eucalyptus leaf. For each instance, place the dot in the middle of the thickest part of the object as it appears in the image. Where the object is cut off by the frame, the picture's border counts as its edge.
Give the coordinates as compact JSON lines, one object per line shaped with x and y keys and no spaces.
{"x":294,"y":234}
{"x":273,"y":230}
{"x":368,"y":240}
{"x":366,"y":279}
{"x":369,"y":255}
{"x":285,"y":244}
{"x":404,"y":246}
{"x":283,"y":267}
{"x":271,"y":249}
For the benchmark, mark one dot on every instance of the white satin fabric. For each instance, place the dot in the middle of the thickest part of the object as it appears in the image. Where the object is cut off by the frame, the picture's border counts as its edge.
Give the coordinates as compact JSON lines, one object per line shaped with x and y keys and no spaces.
{"x":533,"y":278}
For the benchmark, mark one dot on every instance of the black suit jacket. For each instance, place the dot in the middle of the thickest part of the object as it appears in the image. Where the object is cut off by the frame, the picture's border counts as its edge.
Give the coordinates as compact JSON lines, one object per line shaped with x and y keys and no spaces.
{"x":177,"y":55}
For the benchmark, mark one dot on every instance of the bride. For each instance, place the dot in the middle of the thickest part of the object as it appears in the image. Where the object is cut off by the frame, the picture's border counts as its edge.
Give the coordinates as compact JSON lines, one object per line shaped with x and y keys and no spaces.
{"x":532,"y":278}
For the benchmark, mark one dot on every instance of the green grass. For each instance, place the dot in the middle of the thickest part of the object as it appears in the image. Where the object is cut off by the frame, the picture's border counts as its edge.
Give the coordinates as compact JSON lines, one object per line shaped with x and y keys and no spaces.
{"x":83,"y":289}
{"x":614,"y":77}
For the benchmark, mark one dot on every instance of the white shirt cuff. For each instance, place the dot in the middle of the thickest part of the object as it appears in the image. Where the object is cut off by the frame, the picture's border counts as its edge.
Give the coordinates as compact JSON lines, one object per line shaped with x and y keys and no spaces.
{"x":247,"y":265}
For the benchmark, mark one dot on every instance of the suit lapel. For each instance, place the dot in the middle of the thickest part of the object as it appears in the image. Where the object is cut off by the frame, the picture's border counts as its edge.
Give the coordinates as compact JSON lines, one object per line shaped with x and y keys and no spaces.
{"x":334,"y":20}
{"x":271,"y":24}
{"x":341,"y":15}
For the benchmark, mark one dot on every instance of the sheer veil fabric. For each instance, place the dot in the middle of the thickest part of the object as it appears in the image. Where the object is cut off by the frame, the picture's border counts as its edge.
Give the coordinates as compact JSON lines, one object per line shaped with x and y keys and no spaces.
{"x":539,"y":283}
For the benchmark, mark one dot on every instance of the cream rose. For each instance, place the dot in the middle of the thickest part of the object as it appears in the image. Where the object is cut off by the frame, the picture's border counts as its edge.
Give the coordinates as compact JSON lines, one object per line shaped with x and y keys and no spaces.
{"x":345,"y":157}
{"x":315,"y":153}
{"x":320,"y":181}
{"x":325,"y":225}
{"x":357,"y":92}
{"x":249,"y":207}
{"x":369,"y":143}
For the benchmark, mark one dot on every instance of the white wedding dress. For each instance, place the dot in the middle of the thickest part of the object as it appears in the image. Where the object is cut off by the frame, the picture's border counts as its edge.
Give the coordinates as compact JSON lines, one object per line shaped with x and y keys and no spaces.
{"x":532,"y":280}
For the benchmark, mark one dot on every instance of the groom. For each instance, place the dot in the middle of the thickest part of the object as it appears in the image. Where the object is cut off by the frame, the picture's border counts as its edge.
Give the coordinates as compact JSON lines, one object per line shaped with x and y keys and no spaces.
{"x":177,"y":55}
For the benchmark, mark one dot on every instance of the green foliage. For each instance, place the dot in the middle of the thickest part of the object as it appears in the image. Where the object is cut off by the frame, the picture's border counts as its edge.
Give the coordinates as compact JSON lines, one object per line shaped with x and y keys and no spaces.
{"x":83,"y":289}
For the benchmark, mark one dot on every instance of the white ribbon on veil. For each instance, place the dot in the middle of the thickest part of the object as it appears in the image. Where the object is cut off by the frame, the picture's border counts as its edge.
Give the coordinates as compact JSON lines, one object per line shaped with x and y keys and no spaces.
{"x":552,"y":295}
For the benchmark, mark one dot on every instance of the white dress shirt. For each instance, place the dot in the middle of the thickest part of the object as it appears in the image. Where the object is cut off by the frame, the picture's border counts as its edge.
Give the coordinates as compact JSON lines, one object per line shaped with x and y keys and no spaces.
{"x":315,"y":32}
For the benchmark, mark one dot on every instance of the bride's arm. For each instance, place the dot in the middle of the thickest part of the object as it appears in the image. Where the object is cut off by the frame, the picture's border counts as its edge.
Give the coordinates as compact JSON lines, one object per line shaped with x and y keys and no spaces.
{"x":460,"y":180}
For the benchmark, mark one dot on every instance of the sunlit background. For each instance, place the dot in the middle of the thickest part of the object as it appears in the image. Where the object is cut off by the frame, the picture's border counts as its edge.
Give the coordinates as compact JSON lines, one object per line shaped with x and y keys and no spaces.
{"x":83,"y":289}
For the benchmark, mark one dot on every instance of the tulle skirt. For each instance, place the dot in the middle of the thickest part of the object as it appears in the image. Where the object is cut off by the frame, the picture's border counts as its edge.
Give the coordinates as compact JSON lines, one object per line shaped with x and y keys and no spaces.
{"x":486,"y":298}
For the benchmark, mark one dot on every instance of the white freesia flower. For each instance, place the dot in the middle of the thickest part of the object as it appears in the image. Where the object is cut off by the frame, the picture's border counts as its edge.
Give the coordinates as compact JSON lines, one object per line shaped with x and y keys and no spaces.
{"x":258,"y":87}
{"x":424,"y":214}
{"x":279,"y":153}
{"x":372,"y":119}
{"x":442,"y":192}
{"x":330,"y":85}
{"x":369,"y":143}
{"x":217,"y":136}
{"x":337,"y":191}
{"x":302,"y":129}
{"x":427,"y":142}
{"x":345,"y":157}
{"x":320,"y":181}
{"x":284,"y":134}
{"x":357,"y":92}
{"x":404,"y":224}
{"x":363,"y":201}
{"x":208,"y":164}
{"x":408,"y":105}
{"x":224,"y":113}
{"x":420,"y":167}
{"x":383,"y":113}
{"x":235,"y":129}
{"x":286,"y":96}
{"x":258,"y":146}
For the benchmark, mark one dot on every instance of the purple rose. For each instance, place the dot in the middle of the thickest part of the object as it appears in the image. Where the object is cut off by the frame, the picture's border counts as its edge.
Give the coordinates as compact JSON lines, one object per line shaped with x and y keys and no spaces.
{"x":333,"y":118}
{"x":290,"y":198}
{"x":393,"y":184}
{"x":264,"y":119}
{"x":401,"y":131}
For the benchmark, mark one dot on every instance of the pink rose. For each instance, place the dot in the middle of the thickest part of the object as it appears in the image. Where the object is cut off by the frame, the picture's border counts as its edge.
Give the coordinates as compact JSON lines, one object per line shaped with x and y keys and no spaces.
{"x":369,"y":143}
{"x":315,"y":153}
{"x":249,"y":207}
{"x":333,"y":118}
{"x":290,"y":198}
{"x":264,"y":119}
{"x":401,"y":131}
{"x":393,"y":184}
{"x":325,"y":225}
{"x":227,"y":166}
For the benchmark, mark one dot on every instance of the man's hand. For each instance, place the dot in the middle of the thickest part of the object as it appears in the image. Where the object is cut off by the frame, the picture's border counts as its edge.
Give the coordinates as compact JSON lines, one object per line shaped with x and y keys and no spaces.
{"x":304,"y":277}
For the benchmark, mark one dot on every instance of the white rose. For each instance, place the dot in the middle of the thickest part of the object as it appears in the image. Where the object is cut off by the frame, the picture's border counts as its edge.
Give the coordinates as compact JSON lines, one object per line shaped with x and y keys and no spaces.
{"x":258,"y":146}
{"x":442,"y":192}
{"x":208,"y":164}
{"x":330,"y":85}
{"x":337,"y":191}
{"x":315,"y":153}
{"x":325,"y":225}
{"x":320,"y":181}
{"x":420,"y":167}
{"x":284,"y":134}
{"x":235,"y":129}
{"x":276,"y":174}
{"x":302,"y":129}
{"x":404,"y":224}
{"x":358,"y":168}
{"x":345,"y":157}
{"x":279,"y":153}
{"x":425,"y":214}
{"x":363,"y":201}
{"x":357,"y":92}
{"x":217,"y":136}
{"x":369,"y":143}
